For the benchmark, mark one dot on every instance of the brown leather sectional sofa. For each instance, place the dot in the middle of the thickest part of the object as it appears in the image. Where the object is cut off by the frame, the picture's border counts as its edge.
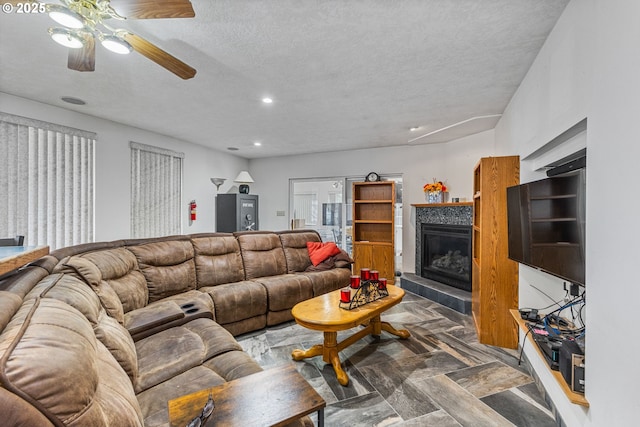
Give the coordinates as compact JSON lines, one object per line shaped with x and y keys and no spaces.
{"x":104,"y":334}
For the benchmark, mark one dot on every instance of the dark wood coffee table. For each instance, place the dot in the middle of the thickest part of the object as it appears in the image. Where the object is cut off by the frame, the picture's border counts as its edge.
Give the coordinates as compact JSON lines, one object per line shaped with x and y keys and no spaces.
{"x":274,"y":397}
{"x":323,"y":313}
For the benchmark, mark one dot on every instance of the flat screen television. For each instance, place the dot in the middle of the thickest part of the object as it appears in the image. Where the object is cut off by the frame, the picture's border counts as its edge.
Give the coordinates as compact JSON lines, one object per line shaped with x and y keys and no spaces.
{"x":547,"y":225}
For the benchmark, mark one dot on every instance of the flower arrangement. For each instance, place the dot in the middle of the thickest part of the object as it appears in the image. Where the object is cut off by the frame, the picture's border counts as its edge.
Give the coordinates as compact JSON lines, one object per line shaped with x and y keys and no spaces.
{"x":434,"y":187}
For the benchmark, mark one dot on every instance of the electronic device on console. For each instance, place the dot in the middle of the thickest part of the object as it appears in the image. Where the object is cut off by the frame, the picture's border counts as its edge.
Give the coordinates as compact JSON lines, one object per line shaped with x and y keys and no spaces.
{"x":571,"y":365}
{"x":549,"y":345}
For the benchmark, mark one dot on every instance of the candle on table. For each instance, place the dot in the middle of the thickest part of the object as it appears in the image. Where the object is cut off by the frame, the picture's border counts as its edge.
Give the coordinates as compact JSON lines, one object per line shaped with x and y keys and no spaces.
{"x":355,"y":282}
{"x":345,"y":294}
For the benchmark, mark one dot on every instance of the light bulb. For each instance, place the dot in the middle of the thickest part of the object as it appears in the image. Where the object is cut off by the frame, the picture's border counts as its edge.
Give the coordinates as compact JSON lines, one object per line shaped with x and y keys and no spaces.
{"x":64,"y":16}
{"x":116,"y":44}
{"x":66,"y":38}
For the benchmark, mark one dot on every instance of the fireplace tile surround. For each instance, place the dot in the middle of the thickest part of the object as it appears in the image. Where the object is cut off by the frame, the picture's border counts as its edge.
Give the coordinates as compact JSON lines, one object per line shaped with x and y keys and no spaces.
{"x":440,"y":213}
{"x":447,"y":214}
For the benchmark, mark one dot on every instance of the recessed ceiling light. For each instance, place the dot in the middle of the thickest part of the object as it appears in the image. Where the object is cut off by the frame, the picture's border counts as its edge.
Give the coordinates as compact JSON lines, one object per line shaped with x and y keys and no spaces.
{"x":232,"y":148}
{"x":72,"y":100}
{"x":267,"y":100}
{"x":257,"y":144}
{"x":414,"y":128}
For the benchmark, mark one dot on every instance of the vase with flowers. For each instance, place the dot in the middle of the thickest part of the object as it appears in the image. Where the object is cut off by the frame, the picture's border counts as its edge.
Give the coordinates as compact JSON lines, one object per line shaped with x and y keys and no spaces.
{"x":434,"y":191}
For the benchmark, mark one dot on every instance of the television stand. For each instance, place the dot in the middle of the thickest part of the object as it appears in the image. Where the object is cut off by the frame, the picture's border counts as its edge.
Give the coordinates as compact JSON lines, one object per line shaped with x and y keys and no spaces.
{"x":573,"y":397}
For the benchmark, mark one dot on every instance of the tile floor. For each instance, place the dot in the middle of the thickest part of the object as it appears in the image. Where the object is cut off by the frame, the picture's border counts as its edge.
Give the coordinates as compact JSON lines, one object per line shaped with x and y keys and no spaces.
{"x":440,"y":376}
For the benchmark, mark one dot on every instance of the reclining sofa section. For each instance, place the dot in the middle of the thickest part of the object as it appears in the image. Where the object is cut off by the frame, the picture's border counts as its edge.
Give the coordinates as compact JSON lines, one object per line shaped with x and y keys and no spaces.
{"x":104,"y":334}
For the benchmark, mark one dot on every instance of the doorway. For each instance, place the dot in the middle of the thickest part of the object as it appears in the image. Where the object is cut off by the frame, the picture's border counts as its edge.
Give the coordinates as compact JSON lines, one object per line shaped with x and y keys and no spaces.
{"x":325,"y":205}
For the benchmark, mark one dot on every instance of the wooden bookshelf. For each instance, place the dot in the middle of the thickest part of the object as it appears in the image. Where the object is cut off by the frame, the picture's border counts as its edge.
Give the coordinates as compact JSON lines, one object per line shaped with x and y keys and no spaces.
{"x":373,"y":227}
{"x":494,"y":275}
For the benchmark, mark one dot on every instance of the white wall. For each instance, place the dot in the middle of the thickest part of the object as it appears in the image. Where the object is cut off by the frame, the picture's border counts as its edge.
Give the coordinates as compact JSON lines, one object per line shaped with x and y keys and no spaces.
{"x":452,"y":162}
{"x":112,"y":188}
{"x":589,"y":67}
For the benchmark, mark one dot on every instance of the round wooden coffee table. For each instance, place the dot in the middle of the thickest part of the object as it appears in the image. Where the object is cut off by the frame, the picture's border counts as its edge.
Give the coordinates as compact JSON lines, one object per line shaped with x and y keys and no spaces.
{"x":323,"y":313}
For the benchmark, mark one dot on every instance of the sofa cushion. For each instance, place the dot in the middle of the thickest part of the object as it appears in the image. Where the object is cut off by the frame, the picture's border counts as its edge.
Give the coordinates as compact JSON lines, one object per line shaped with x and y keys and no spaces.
{"x":233,"y":364}
{"x":262,"y":254}
{"x":167,"y":266}
{"x":247,"y":325}
{"x":18,"y":412}
{"x":174,"y":351}
{"x":118,"y":341}
{"x":217,"y":260}
{"x":115,"y":403}
{"x":215,"y":371}
{"x":328,"y":280}
{"x":237,"y":301}
{"x":91,"y":274}
{"x":71,"y":290}
{"x":14,"y":287}
{"x":294,"y":244}
{"x":9,"y":305}
{"x":74,"y":292}
{"x":49,"y":353}
{"x":119,"y":269}
{"x":153,"y":401}
{"x":285,"y":291}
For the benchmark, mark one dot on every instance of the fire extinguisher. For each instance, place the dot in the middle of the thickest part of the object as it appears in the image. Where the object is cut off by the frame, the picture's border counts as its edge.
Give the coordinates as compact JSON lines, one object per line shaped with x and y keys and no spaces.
{"x":192,"y":210}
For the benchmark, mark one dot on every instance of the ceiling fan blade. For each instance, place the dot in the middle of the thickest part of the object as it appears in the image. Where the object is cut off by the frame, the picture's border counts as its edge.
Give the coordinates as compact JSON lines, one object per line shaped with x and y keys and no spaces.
{"x":84,"y":58}
{"x":153,"y":9}
{"x":159,"y":56}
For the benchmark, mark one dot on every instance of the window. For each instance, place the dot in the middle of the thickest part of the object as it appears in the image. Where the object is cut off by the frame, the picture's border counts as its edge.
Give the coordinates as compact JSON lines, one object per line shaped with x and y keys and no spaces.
{"x":156,"y":191}
{"x":46,"y":182}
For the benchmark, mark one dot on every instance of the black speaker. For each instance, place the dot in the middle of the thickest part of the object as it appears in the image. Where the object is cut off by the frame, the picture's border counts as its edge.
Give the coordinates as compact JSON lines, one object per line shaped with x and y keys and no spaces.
{"x":573,"y":165}
{"x":568,"y":349}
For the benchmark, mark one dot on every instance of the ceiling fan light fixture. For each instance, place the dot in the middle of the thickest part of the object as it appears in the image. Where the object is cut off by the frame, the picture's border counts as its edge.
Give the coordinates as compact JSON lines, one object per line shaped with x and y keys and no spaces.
{"x":116,"y":44}
{"x":66,"y":37}
{"x":64,"y":16}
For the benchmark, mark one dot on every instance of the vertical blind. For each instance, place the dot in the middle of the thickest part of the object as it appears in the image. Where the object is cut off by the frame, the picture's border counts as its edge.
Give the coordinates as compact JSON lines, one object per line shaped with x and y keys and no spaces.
{"x":306,"y":207}
{"x":46,"y":182}
{"x":156,"y":191}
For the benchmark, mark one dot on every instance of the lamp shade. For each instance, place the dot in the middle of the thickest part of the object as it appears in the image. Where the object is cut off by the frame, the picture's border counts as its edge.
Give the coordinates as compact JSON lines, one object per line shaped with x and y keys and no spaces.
{"x":65,"y":37}
{"x":218,"y":182}
{"x":243,"y":178}
{"x":116,"y":44}
{"x":65,"y":16}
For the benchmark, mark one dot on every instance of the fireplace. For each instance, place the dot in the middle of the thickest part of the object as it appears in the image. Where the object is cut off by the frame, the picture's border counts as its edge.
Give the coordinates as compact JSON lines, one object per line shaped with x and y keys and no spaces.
{"x":446,"y":254}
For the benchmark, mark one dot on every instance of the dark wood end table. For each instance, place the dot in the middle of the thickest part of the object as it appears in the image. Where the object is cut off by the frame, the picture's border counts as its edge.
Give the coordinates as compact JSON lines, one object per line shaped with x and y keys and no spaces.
{"x":274,"y":397}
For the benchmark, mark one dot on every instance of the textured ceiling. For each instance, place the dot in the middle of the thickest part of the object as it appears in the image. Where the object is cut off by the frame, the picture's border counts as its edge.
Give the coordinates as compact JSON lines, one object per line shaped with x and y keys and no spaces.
{"x":343,"y":74}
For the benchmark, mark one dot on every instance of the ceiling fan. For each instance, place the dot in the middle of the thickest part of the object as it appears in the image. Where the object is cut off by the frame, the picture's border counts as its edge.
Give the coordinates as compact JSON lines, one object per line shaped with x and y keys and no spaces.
{"x":84,"y":21}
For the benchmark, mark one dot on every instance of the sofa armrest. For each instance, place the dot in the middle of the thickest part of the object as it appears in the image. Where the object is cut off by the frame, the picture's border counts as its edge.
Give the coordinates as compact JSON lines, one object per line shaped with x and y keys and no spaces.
{"x":152,"y":316}
{"x":163,"y":315}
